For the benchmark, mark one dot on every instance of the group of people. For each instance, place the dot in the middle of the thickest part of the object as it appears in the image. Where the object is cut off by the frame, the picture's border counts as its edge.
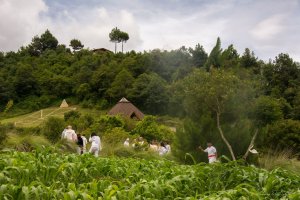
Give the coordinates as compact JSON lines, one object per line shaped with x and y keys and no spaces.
{"x":81,"y":141}
{"x":161,"y":147}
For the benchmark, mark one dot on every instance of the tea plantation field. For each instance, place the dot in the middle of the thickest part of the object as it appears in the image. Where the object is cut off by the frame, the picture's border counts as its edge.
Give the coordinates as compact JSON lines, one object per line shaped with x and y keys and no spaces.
{"x":48,"y":175}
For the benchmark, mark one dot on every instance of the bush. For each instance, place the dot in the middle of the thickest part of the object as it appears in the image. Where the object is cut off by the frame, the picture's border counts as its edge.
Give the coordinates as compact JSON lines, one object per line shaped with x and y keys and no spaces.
{"x":71,"y":115}
{"x":102,"y":104}
{"x":116,"y":136}
{"x":4,"y":129}
{"x":105,"y":123}
{"x":284,"y":134}
{"x":53,"y":128}
{"x":24,"y":142}
{"x":149,"y":129}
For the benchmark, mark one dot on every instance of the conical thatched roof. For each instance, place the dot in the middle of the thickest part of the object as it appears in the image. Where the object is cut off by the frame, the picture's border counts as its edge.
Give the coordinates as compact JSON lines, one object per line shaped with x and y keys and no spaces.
{"x":64,"y":104}
{"x":127,"y":109}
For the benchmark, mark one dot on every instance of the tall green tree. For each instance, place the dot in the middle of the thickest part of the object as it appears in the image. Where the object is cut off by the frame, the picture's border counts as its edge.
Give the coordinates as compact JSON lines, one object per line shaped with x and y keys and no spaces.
{"x":214,"y":58}
{"x":221,"y":95}
{"x":199,"y":56}
{"x":229,"y":57}
{"x":120,"y":85}
{"x":76,"y":44}
{"x":124,"y":37}
{"x":40,"y":44}
{"x":115,"y":36}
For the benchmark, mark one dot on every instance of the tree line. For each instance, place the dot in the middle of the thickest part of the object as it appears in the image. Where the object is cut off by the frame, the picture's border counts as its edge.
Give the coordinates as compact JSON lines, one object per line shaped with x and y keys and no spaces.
{"x":219,"y":91}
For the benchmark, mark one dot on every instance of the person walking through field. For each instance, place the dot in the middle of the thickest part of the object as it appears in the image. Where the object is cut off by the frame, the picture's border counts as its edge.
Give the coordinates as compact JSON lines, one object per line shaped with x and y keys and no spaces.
{"x":84,"y":143}
{"x":96,"y":144}
{"x":80,"y":144}
{"x":70,"y":134}
{"x":211,"y":152}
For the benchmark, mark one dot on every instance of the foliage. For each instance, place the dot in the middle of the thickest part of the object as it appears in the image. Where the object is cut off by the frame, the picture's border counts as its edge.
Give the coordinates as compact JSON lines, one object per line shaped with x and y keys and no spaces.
{"x":53,"y":128}
{"x":284,"y":134}
{"x":149,"y":129}
{"x":199,"y":56}
{"x":71,"y":115}
{"x":46,"y":175}
{"x":4,"y":130}
{"x":25,"y":142}
{"x":76,"y":44}
{"x":214,"y":58}
{"x":105,"y":123}
{"x":115,"y":136}
{"x":267,"y":110}
{"x":284,"y":159}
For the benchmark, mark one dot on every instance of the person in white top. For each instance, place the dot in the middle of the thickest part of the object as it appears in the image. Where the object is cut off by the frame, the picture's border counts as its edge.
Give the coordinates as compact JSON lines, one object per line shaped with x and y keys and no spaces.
{"x":211,"y":151}
{"x":162,"y":150}
{"x":153,"y":146}
{"x":96,"y":144}
{"x":70,"y":135}
{"x":126,"y":143}
{"x":84,"y":143}
{"x":168,"y":147}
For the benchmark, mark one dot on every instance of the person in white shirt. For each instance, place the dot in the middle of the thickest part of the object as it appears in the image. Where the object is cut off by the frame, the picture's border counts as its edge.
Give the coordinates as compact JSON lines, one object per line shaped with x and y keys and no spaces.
{"x":168,"y":147}
{"x":162,"y":150}
{"x":70,"y":135}
{"x":96,"y":144}
{"x":126,"y":143}
{"x":84,"y":143}
{"x":153,"y":146}
{"x":211,"y":152}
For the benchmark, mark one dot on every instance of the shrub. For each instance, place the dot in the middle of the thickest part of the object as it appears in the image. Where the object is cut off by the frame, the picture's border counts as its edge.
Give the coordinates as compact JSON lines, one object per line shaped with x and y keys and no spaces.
{"x":115,"y":136}
{"x":102,"y":104}
{"x":149,"y":129}
{"x":53,"y":128}
{"x":4,"y":129}
{"x":24,"y":142}
{"x":284,"y":134}
{"x":107,"y":122}
{"x":71,"y":115}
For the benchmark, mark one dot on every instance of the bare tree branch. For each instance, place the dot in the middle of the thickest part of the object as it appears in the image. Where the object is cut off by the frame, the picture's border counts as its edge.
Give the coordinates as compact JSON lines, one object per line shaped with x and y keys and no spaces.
{"x":251,"y":144}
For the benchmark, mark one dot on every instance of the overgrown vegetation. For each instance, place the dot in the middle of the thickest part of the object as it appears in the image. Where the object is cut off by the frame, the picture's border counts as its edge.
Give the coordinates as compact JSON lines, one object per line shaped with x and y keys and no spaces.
{"x":48,"y":175}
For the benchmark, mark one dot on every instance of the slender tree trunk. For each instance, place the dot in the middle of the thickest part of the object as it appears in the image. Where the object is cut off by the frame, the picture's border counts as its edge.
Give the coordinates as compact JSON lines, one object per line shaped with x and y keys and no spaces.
{"x":223,"y":137}
{"x":251,"y":144}
{"x":115,"y":47}
{"x":122,"y":46}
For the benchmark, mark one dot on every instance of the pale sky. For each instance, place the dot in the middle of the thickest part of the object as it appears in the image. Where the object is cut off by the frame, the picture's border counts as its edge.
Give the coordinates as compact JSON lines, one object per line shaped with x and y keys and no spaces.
{"x":268,"y":27}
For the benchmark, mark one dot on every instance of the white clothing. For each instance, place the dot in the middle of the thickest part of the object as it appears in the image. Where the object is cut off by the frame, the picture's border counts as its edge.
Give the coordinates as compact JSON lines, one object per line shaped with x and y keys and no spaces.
{"x":212,"y":159}
{"x":126,"y":143}
{"x":168,"y":147}
{"x":153,"y":147}
{"x":96,"y":145}
{"x":63,"y":134}
{"x":212,"y":154}
{"x":162,"y":150}
{"x":84,"y":143}
{"x":70,"y":135}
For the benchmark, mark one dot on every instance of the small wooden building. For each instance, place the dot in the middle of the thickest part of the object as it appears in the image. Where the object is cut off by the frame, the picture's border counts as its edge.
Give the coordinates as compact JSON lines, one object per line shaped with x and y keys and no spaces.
{"x":126,"y":109}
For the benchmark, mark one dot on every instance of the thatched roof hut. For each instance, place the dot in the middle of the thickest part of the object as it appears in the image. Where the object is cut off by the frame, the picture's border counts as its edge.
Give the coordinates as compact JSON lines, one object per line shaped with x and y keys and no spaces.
{"x":126,"y":109}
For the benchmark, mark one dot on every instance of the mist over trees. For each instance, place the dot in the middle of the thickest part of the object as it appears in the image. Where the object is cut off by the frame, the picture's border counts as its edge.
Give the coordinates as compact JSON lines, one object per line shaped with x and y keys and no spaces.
{"x":207,"y":90}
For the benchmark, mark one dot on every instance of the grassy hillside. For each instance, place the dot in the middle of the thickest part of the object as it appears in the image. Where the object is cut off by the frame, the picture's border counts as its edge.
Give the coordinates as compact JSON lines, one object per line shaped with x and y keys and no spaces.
{"x":36,"y":118}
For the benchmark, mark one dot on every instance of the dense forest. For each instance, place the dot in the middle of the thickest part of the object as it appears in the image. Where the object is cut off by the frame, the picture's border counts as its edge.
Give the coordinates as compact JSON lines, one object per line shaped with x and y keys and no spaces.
{"x":212,"y":92}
